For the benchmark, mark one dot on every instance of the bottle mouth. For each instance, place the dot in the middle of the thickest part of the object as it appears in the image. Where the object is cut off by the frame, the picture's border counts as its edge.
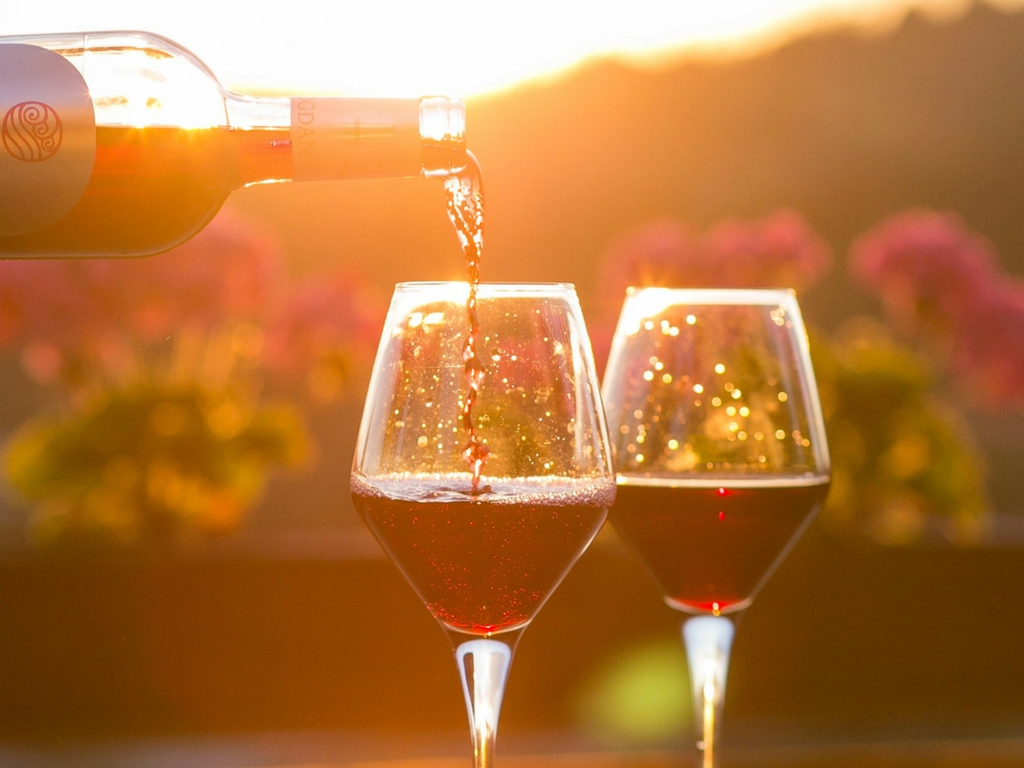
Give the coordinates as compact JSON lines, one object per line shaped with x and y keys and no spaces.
{"x":443,"y":132}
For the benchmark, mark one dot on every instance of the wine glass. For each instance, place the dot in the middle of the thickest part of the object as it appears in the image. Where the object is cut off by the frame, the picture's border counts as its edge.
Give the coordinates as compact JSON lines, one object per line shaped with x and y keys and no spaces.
{"x":721,"y":457}
{"x":483,"y":469}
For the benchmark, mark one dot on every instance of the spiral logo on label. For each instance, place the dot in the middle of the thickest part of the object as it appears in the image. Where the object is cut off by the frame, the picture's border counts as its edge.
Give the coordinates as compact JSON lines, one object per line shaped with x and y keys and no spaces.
{"x":32,"y":131}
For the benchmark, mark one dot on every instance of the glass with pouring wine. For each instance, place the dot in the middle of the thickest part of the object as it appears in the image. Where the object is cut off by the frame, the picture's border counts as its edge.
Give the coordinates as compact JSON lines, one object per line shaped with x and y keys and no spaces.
{"x":721,"y":457}
{"x":482,"y":463}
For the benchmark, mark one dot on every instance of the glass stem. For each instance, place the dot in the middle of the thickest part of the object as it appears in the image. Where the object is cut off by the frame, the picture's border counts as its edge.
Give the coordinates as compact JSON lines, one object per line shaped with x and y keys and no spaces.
{"x":708,"y":640}
{"x":483,"y":665}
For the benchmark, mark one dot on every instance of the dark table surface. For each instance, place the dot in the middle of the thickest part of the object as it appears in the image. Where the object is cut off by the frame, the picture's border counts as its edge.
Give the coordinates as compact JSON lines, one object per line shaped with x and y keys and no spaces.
{"x":355,"y":750}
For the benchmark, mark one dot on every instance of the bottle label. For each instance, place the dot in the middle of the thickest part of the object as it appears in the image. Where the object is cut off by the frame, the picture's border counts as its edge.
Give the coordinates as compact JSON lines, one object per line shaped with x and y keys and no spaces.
{"x":337,"y":138}
{"x":47,"y":138}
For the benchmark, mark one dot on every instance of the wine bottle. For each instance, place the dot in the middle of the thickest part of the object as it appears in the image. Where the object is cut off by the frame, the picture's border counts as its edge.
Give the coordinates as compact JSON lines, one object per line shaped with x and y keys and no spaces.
{"x":125,"y":144}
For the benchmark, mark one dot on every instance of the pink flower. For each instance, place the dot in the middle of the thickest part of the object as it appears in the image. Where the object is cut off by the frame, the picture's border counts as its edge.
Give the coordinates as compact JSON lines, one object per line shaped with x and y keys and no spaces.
{"x":322,"y":317}
{"x":233,"y":269}
{"x":939,"y":280}
{"x":39,"y":301}
{"x":79,"y":311}
{"x":778,"y":251}
{"x":12,"y":310}
{"x":663,"y":252}
{"x":927,"y":267}
{"x":988,"y":346}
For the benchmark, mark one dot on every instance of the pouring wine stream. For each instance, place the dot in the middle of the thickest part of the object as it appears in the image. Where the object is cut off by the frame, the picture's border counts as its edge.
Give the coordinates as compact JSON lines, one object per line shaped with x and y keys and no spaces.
{"x":466,"y":210}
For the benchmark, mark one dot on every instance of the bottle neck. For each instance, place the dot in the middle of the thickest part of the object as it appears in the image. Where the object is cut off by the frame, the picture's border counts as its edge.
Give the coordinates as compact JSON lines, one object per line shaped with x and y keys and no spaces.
{"x":349,"y":138}
{"x":443,"y":133}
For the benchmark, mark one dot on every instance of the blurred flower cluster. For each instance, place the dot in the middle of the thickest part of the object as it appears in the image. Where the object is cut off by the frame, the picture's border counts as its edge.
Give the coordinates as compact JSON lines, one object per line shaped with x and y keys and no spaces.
{"x":905,"y":464}
{"x":779,"y":250}
{"x":941,"y":286}
{"x":177,"y":382}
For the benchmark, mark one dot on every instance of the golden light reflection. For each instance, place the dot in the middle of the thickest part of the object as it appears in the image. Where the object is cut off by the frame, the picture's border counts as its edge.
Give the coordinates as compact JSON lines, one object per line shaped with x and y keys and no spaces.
{"x":710,"y":700}
{"x":151,"y":90}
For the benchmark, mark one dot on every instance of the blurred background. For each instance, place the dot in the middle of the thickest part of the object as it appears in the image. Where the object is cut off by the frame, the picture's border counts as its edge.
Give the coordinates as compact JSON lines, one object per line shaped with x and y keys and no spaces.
{"x":179,"y":558}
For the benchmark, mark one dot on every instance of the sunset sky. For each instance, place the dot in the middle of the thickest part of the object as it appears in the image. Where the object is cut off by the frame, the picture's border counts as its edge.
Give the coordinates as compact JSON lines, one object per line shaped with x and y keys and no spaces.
{"x":457,"y":47}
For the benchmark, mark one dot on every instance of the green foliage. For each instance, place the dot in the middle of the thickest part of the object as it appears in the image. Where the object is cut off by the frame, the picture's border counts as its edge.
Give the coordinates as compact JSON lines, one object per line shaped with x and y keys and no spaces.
{"x":150,"y":462}
{"x":904,"y":466}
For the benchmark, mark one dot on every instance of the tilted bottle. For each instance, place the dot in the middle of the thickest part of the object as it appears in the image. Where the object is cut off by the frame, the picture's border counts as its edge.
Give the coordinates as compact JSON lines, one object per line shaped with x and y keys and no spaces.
{"x":125,"y":144}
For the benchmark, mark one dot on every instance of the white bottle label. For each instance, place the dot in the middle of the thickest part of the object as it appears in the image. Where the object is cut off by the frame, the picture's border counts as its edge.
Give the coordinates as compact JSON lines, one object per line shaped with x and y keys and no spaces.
{"x":338,"y":138}
{"x":47,"y":138}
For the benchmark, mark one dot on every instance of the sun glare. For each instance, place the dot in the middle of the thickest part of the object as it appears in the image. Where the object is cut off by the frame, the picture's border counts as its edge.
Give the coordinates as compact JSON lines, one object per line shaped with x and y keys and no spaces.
{"x":477,"y":47}
{"x":462,"y":47}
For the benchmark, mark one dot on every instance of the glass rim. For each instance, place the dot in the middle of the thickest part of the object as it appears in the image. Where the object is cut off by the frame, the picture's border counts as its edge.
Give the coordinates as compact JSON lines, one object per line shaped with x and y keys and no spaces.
{"x":491,"y":286}
{"x":751,"y":296}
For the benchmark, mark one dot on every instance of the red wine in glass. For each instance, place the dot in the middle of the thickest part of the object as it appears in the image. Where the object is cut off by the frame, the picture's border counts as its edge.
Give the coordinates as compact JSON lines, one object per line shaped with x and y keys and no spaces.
{"x":710,"y":545}
{"x":483,"y":563}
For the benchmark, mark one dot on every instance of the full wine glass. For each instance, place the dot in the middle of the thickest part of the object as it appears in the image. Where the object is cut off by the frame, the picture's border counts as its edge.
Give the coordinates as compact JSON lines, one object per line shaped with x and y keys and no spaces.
{"x":484,"y":500}
{"x":721,"y":457}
